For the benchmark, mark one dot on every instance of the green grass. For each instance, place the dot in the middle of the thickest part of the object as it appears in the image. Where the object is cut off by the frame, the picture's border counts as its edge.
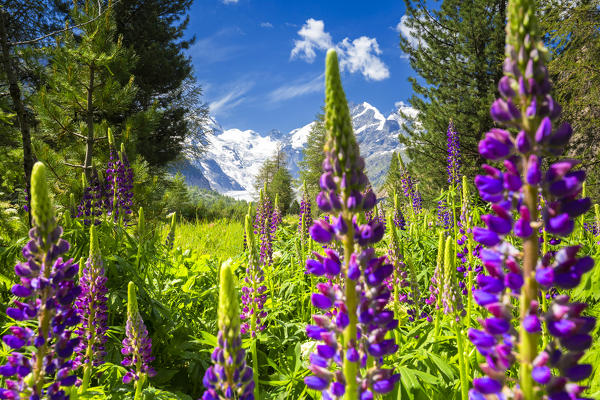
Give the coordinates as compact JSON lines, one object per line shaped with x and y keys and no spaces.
{"x":221,"y":238}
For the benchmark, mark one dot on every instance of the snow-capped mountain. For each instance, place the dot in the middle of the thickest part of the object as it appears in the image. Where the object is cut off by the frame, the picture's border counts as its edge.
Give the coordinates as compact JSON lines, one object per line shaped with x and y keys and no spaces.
{"x":234,"y":157}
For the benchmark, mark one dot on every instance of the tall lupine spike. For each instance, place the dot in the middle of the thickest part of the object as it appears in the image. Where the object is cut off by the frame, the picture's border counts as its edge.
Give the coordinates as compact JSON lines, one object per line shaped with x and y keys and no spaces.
{"x":444,"y":216}
{"x":249,"y":212}
{"x":46,"y":294}
{"x":453,"y":306}
{"x":171,"y":235}
{"x":92,"y":308}
{"x":229,"y":377}
{"x":119,"y":179}
{"x":453,"y":156}
{"x":527,"y":107}
{"x":276,"y":217}
{"x":350,"y":356}
{"x":399,"y":220}
{"x":137,"y":346}
{"x":305,"y":214}
{"x":253,"y":297}
{"x":262,"y":227}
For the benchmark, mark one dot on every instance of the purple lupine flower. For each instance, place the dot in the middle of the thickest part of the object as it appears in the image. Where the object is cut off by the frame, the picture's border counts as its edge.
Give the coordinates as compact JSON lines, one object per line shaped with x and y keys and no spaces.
{"x":398,"y":219}
{"x":359,"y":328}
{"x":137,"y":346}
{"x":119,"y":180}
{"x":92,"y":308}
{"x":92,"y":203}
{"x":45,"y":299}
{"x":454,"y":176}
{"x":527,"y":107}
{"x":275,"y":218}
{"x":229,"y":377}
{"x":253,"y":292}
{"x":262,"y":228}
{"x":444,"y":216}
{"x":305,"y":212}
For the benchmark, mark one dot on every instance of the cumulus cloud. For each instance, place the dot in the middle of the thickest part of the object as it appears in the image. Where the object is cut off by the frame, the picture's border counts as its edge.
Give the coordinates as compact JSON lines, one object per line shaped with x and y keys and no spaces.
{"x":296,"y":89}
{"x":358,"y":55}
{"x":266,"y":24}
{"x":313,"y":37}
{"x":361,"y":55}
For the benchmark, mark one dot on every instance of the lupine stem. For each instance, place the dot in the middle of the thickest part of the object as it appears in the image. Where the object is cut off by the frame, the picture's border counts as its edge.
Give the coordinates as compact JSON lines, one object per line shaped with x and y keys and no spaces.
{"x":528,"y":345}
{"x":350,"y":368}
{"x":254,"y":352}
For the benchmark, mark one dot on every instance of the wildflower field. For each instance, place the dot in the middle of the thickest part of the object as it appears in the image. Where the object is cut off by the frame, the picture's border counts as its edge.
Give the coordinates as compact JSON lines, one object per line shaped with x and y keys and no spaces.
{"x":493,"y":294}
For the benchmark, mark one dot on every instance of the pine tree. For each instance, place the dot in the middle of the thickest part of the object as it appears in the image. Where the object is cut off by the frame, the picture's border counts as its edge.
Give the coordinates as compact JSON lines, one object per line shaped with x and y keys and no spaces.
{"x":311,"y":166}
{"x":277,"y":177}
{"x":457,"y":52}
{"x":82,"y":89}
{"x":23,"y":24}
{"x":573,"y":29}
{"x":154,"y":29}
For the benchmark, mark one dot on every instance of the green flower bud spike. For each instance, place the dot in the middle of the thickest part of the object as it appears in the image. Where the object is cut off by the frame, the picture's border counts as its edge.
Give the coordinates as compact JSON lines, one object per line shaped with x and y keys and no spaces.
{"x":141,"y":222}
{"x":111,"y":138}
{"x":229,"y":311}
{"x":42,"y":210}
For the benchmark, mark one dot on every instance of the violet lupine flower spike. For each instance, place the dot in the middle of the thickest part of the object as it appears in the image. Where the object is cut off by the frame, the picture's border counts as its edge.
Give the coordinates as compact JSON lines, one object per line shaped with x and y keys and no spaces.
{"x":262,"y":228}
{"x":275,"y":218}
{"x":90,"y":207}
{"x":137,"y":346}
{"x":305,"y":212}
{"x":348,"y":360}
{"x":46,"y":294}
{"x":253,"y":293}
{"x":229,"y":377}
{"x":91,"y":307}
{"x":527,"y":107}
{"x":454,"y":177}
{"x":119,"y":179}
{"x":399,"y":220}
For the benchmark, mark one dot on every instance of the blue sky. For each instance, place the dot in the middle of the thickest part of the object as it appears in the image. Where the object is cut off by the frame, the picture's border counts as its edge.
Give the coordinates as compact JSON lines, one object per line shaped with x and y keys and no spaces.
{"x":261,"y":62}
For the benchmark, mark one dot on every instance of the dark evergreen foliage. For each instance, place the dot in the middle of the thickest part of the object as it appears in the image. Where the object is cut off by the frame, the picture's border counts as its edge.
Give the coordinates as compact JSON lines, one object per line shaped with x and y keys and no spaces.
{"x":457,"y":51}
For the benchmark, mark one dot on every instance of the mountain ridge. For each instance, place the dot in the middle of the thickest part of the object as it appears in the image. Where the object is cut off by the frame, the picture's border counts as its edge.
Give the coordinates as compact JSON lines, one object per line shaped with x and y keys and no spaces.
{"x":234,"y":156}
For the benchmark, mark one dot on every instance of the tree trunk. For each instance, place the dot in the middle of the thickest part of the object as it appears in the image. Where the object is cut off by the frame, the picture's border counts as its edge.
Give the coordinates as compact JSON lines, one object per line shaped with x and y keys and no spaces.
{"x":89,"y":148}
{"x":15,"y":94}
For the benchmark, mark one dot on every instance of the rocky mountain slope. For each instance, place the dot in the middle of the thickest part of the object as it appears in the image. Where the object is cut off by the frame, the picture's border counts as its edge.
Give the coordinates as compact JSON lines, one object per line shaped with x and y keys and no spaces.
{"x":234,"y":156}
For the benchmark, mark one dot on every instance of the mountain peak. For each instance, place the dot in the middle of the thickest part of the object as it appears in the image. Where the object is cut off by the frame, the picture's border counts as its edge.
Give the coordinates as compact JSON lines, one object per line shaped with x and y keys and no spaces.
{"x":235,"y":156}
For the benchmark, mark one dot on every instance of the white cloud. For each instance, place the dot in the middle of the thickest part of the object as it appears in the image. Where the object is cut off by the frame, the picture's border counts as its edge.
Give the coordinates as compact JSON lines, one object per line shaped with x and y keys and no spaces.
{"x":313,"y":37}
{"x":407,"y":32}
{"x":231,"y":99}
{"x":230,"y":1}
{"x":361,"y":55}
{"x":297,"y":89}
{"x":266,"y":25}
{"x":358,"y":55}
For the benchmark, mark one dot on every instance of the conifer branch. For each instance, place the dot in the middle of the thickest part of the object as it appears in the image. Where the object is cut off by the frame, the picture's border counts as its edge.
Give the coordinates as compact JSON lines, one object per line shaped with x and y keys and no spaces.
{"x":65,"y":29}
